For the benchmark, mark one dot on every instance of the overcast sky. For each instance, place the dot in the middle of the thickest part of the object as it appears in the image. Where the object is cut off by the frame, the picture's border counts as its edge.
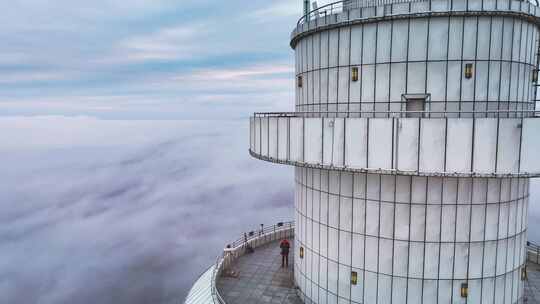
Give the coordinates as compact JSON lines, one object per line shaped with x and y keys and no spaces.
{"x":149,"y":59}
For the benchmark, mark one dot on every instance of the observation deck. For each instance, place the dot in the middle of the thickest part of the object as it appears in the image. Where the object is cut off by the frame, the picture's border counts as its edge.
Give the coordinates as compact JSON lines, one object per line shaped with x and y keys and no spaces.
{"x":349,"y":12}
{"x":259,"y":278}
{"x":486,"y":144}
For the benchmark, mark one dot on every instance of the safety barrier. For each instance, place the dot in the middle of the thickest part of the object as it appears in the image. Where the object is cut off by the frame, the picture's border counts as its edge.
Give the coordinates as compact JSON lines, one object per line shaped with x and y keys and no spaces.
{"x":238,"y":248}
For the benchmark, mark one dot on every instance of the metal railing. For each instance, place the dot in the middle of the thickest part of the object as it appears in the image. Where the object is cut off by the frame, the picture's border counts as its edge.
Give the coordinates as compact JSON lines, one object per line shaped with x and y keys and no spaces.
{"x":262,"y":232}
{"x":403,"y":114}
{"x":344,"y":5}
{"x":340,"y":6}
{"x":215,"y":292}
{"x":251,"y":238}
{"x":533,"y":252}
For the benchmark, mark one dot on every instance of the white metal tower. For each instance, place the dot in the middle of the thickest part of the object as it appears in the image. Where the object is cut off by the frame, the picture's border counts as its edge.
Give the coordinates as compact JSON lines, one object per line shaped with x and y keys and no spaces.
{"x":413,"y":139}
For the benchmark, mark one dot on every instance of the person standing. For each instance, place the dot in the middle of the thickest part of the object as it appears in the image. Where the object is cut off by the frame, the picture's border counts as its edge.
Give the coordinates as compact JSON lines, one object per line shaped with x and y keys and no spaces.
{"x":285,"y":246}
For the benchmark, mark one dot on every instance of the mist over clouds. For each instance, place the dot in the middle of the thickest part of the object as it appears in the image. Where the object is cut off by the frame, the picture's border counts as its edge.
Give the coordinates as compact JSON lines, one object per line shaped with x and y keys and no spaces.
{"x":130,"y":212}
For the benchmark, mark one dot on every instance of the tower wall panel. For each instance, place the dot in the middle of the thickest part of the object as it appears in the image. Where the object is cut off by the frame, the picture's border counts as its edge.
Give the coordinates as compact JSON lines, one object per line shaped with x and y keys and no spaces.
{"x":385,"y":241}
{"x":420,"y":56}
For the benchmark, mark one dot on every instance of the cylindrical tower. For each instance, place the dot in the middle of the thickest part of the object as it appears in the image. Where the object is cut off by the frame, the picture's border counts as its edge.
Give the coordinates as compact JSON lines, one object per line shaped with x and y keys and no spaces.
{"x":414,"y":138}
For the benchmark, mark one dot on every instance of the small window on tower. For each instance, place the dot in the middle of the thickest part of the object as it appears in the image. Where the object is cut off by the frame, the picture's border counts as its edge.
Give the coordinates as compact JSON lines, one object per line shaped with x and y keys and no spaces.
{"x":415,"y":104}
{"x":299,"y":81}
{"x":415,"y":107}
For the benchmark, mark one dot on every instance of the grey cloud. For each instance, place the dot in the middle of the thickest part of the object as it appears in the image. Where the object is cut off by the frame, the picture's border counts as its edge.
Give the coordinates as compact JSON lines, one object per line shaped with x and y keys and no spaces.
{"x":137,"y":227}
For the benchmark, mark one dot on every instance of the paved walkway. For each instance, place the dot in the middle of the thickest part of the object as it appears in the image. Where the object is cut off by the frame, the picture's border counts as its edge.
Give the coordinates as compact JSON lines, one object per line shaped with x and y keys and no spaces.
{"x":532,"y":287}
{"x":261,"y":279}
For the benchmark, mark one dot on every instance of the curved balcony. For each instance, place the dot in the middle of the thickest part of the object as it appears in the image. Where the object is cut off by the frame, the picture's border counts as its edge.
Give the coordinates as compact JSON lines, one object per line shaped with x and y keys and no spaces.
{"x":465,"y":147}
{"x":349,"y":12}
{"x":205,"y":289}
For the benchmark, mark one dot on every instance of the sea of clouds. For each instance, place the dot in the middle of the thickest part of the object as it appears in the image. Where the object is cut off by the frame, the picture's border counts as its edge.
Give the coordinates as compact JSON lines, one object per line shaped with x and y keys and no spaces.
{"x":103,"y":211}
{"x":97,"y":211}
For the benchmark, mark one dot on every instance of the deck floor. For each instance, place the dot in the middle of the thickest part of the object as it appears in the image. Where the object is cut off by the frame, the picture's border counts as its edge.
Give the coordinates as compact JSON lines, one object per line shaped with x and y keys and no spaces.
{"x":260,"y":278}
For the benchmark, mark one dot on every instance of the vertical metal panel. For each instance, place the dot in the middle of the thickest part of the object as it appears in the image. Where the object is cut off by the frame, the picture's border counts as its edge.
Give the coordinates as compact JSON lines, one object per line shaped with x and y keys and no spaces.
{"x":508,"y":145}
{"x":469,"y":38}
{"x":282,"y":138}
{"x":453,"y":86}
{"x":380,"y":141}
{"x":356,"y":44}
{"x":273,"y":137}
{"x":383,"y":42}
{"x":313,"y":140}
{"x":431,"y":260}
{"x":257,"y":141}
{"x":296,"y":138}
{"x":328,"y":137}
{"x":252,"y":133}
{"x":418,"y":39}
{"x":459,"y":145}
{"x":485,"y":142}
{"x":397,"y":87}
{"x":530,"y":146}
{"x":399,"y":289}
{"x":356,"y":143}
{"x":399,"y":40}
{"x":382,"y":89}
{"x":338,"y":143}
{"x":416,"y":81}
{"x":401,"y":247}
{"x":368,"y":83}
{"x":436,"y":83}
{"x":432,"y":145}
{"x":333,"y":48}
{"x":415,"y":292}
{"x":332,"y":86}
{"x":455,"y":38}
{"x":438,"y":38}
{"x":344,"y":46}
{"x":343,"y":87}
{"x":481,"y":85}
{"x":369,"y":41}
{"x":324,"y":49}
{"x":309,"y":53}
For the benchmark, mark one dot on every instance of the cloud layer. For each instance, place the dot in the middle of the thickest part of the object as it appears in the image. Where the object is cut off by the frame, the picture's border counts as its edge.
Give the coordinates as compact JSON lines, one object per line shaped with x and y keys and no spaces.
{"x":96,"y":221}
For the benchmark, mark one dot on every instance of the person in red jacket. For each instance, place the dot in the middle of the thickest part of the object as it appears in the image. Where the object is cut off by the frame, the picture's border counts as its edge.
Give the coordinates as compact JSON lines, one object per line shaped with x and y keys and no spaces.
{"x":285,"y":246}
